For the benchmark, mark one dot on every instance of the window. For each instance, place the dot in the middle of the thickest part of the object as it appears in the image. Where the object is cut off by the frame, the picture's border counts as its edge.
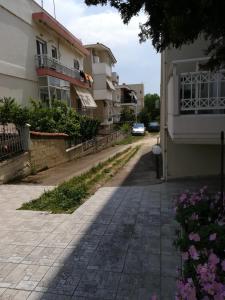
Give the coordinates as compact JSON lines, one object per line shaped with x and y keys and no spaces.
{"x":54,"y":52}
{"x":41,"y":47}
{"x":52,"y":88}
{"x":44,"y":96}
{"x":76,"y":64}
{"x":41,"y":52}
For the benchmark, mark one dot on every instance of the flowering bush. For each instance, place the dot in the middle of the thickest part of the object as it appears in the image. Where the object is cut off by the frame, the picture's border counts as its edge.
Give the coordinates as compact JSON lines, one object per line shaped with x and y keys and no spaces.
{"x":201,"y":241}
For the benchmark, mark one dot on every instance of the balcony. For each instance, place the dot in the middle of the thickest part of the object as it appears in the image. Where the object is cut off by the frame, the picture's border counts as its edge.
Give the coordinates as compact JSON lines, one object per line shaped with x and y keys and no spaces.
{"x":103,"y":95}
{"x":102,"y":69}
{"x":196,"y":105}
{"x":48,"y":66}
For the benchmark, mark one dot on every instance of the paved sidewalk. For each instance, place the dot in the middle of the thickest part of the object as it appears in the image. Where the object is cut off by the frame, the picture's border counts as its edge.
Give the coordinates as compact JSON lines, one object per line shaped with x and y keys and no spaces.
{"x":117,"y":245}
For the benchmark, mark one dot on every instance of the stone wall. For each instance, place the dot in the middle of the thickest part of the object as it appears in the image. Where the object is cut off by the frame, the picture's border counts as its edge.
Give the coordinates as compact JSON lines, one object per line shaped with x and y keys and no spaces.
{"x":16,"y":167}
{"x":49,"y":150}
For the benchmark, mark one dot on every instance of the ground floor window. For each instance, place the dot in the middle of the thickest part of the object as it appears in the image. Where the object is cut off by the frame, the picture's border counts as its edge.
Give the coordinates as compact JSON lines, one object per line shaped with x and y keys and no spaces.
{"x":52,"y":88}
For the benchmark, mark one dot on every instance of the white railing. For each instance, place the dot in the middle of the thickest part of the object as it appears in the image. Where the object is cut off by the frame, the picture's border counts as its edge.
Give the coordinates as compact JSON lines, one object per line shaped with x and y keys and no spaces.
{"x":202,"y":91}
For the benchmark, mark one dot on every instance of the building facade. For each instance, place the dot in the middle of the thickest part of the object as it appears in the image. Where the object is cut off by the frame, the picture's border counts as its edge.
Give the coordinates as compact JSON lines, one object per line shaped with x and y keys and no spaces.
{"x":138,"y":89}
{"x":41,"y":59}
{"x":116,"y":99}
{"x":99,"y":64}
{"x":192,"y":113}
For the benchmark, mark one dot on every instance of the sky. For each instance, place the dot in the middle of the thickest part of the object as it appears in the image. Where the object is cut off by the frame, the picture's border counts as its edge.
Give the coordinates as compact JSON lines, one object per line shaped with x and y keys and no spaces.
{"x":136,"y":63}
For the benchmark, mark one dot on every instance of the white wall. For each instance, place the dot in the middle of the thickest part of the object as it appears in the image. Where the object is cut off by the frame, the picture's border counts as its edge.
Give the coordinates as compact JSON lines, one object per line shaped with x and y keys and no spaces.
{"x":18,"y":34}
{"x":18,"y":88}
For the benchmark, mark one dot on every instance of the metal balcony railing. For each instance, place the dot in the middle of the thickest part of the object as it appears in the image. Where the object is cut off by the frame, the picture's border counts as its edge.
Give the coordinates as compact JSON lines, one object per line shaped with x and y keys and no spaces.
{"x":44,"y":61}
{"x":202,"y":91}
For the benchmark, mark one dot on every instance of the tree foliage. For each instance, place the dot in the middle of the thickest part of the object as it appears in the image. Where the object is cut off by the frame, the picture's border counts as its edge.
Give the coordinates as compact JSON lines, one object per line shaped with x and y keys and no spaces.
{"x":127,"y":115}
{"x":151,"y":110}
{"x":59,"y":118}
{"x":173,"y":23}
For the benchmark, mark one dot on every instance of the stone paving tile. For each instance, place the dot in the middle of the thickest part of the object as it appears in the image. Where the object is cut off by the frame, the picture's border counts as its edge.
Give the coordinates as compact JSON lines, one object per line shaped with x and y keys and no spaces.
{"x":42,"y":256}
{"x":139,"y":262}
{"x":98,"y":284}
{"x":14,"y":253}
{"x":21,"y":238}
{"x":84,"y":240}
{"x":60,"y":240}
{"x":140,"y":243}
{"x":138,"y":287}
{"x":5,"y":270}
{"x":21,"y":276}
{"x":92,"y":228}
{"x":47,"y":296}
{"x":109,"y":248}
{"x":78,"y":257}
{"x":12,"y":294}
{"x":60,"y":280}
{"x":68,"y":226}
{"x":108,"y":258}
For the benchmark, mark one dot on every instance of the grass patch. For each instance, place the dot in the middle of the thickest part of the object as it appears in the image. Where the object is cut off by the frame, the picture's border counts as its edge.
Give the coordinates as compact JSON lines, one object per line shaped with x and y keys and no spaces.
{"x":71,"y":194}
{"x":130,"y":140}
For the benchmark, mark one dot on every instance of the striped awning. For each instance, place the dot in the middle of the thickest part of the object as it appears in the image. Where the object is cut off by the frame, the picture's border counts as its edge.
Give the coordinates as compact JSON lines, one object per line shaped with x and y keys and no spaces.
{"x":110,"y":85}
{"x":86,"y":98}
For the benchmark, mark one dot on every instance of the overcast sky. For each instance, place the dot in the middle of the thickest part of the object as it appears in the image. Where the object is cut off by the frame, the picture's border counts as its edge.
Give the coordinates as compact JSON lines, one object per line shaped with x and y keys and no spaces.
{"x":136,"y":63}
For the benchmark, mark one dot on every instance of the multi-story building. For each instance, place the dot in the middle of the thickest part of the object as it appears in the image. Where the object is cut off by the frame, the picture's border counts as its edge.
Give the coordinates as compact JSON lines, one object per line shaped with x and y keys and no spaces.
{"x":116,"y":99}
{"x":40,"y":58}
{"x":138,"y":89}
{"x":99,"y":64}
{"x":192,"y":113}
{"x":128,"y":98}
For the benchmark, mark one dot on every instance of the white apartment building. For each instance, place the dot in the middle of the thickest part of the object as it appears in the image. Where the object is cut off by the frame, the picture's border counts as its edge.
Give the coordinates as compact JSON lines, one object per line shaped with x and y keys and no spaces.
{"x":192,"y":113}
{"x":99,"y":64}
{"x":116,"y":99}
{"x":40,"y":58}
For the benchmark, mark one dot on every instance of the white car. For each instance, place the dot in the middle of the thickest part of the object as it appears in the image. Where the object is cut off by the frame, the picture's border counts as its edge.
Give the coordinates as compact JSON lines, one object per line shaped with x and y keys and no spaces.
{"x":138,"y":129}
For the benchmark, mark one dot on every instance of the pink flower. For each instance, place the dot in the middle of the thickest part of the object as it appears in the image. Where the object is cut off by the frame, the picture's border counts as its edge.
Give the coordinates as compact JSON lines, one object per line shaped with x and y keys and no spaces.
{"x":194,"y":217}
{"x":193,"y":253}
{"x":185,"y":256}
{"x":183,"y":197}
{"x":213,"y":259}
{"x":212,"y":237}
{"x":194,"y":237}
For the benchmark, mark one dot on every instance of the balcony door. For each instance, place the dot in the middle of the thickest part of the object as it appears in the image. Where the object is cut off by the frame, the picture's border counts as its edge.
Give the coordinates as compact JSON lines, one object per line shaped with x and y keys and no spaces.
{"x":41,"y":52}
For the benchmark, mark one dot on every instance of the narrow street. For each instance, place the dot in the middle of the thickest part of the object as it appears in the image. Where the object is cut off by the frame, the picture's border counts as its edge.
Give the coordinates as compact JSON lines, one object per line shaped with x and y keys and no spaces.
{"x":117,"y":245}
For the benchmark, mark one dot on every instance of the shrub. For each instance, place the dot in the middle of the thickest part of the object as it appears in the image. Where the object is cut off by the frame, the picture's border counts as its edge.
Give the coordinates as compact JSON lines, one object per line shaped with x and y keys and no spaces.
{"x":202,"y":243}
{"x":127,"y":115}
{"x":126,"y":128}
{"x":58,"y":118}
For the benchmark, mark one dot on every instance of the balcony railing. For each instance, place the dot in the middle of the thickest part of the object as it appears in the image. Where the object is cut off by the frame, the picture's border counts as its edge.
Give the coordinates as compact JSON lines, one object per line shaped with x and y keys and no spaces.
{"x":44,"y":61}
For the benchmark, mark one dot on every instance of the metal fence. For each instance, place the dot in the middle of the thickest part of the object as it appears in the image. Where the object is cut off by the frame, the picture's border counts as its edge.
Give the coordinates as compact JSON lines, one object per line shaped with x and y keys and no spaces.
{"x":12,"y":140}
{"x":44,"y":61}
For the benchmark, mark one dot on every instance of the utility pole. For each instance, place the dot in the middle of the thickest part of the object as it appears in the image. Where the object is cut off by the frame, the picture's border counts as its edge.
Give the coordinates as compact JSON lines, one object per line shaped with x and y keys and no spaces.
{"x":42,"y":3}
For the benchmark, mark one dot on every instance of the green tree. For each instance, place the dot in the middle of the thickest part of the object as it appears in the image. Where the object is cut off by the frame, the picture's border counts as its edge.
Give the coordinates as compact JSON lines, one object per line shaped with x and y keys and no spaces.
{"x":127,"y":115}
{"x":177,"y":22}
{"x":152,"y":106}
{"x":151,"y":110}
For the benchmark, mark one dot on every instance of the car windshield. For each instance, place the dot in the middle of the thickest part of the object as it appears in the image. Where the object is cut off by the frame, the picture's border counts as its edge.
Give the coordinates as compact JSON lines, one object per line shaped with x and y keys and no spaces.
{"x":153,"y":123}
{"x":138,"y":125}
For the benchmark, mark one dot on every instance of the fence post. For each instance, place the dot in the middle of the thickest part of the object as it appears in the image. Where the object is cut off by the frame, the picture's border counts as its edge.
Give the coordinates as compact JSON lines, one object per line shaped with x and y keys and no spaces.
{"x":25,"y":135}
